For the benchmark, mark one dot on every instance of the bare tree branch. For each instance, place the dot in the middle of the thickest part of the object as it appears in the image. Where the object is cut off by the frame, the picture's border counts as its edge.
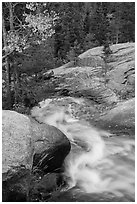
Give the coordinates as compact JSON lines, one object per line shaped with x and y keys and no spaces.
{"x":5,"y":56}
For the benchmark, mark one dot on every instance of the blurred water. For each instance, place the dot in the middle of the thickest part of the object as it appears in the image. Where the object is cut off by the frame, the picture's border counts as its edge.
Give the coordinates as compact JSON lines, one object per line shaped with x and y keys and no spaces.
{"x":111,"y":173}
{"x":100,"y":166}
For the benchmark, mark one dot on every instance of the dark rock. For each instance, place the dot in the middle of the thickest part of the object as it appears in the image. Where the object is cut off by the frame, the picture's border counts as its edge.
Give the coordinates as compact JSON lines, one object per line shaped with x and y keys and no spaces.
{"x":28,"y":144}
{"x":45,"y":187}
{"x":64,"y":92}
{"x":16,"y":186}
{"x":51,"y":147}
{"x":48,"y":76}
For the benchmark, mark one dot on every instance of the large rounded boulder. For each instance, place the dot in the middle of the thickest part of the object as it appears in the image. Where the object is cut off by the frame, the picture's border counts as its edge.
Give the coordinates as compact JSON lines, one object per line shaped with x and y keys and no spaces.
{"x":27,"y":147}
{"x":16,"y":141}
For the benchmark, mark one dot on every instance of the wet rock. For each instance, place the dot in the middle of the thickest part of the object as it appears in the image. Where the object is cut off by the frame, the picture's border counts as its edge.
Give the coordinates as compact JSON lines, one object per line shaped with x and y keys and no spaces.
{"x":75,"y":195}
{"x":28,"y":145}
{"x":47,"y":187}
{"x":16,"y":185}
{"x":51,"y":147}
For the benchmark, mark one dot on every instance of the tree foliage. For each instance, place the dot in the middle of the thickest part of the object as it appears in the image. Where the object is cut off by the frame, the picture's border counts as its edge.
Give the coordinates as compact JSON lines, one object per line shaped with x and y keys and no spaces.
{"x":38,"y":36}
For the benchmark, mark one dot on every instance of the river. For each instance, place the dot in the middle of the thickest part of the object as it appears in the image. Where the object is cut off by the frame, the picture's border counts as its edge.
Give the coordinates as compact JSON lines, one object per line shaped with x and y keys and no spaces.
{"x":100,"y":166}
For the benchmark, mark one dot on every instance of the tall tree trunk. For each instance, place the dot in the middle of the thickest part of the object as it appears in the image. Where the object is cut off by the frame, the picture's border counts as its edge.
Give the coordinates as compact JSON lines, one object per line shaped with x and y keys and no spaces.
{"x":11,"y":16}
{"x":16,"y":88}
{"x":117,"y":36}
{"x":7,"y":65}
{"x":15,"y":70}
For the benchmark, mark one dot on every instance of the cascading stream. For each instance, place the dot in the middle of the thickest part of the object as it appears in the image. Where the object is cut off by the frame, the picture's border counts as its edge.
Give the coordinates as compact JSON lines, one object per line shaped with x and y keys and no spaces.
{"x":106,"y":165}
{"x":97,"y":163}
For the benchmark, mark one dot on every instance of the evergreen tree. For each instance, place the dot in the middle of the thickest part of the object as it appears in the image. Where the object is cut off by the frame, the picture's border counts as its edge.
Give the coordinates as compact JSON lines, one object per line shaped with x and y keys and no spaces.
{"x":44,"y":35}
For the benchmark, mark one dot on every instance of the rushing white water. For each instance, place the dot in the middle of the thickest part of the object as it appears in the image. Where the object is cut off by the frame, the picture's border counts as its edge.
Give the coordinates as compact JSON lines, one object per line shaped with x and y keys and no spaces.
{"x":109,"y":171}
{"x":96,"y":163}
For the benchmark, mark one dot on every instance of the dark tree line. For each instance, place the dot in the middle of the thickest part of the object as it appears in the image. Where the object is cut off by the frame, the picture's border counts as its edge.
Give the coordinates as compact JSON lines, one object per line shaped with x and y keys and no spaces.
{"x":99,"y":23}
{"x":45,"y":35}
